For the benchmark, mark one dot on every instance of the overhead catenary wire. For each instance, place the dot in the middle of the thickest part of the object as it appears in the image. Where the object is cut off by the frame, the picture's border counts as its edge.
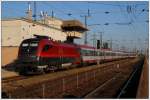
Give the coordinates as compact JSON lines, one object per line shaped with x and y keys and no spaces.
{"x":125,"y":17}
{"x":133,"y":20}
{"x":108,"y":4}
{"x":58,"y":10}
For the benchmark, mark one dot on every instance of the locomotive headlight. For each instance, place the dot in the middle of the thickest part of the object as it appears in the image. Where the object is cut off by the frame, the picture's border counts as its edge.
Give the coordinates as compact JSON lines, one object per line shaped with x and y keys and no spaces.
{"x":38,"y":58}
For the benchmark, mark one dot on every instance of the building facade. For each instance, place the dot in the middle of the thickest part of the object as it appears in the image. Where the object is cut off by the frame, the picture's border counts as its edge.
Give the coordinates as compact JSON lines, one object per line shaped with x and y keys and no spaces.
{"x":14,"y":31}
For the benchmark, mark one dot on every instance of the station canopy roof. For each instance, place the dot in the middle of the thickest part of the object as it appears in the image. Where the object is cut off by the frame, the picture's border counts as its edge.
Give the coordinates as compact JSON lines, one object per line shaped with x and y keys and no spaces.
{"x":73,"y":25}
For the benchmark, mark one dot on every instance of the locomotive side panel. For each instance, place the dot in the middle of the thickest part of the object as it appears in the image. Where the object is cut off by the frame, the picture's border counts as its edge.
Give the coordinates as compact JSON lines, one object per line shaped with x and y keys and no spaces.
{"x":49,"y":56}
{"x":59,"y":55}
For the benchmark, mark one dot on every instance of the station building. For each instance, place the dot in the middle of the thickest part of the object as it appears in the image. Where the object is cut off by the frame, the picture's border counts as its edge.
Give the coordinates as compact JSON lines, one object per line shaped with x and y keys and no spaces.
{"x":14,"y":31}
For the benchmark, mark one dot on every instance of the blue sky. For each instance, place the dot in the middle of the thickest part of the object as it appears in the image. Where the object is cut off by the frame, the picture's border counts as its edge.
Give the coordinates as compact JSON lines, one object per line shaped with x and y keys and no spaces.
{"x":126,"y":27}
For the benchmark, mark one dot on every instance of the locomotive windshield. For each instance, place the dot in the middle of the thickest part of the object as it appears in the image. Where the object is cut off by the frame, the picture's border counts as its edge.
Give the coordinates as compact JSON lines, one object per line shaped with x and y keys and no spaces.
{"x":29,"y":47}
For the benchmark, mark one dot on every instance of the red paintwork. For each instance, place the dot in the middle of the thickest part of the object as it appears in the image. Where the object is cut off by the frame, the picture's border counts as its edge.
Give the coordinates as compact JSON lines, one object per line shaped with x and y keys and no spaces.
{"x":63,"y":50}
{"x":58,"y":50}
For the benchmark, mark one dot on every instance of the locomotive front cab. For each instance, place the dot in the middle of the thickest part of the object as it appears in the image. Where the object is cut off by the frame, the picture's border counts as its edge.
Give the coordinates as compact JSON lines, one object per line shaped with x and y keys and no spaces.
{"x":28,"y":51}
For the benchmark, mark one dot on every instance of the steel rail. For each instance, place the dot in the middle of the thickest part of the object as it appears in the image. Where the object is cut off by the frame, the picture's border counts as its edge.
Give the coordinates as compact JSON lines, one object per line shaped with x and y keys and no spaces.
{"x":12,"y":79}
{"x":16,"y":78}
{"x":101,"y":86}
{"x":126,"y":85}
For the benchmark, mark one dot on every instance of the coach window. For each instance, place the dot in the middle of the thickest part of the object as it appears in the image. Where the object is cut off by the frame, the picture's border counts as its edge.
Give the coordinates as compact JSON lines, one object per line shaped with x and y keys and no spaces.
{"x":100,"y":53}
{"x":109,"y":53}
{"x":89,"y":52}
{"x":116,"y":54}
{"x":97,"y":53}
{"x":81,"y":51}
{"x":84,"y":52}
{"x":92,"y":53}
{"x":113,"y":54}
{"x":106,"y":54}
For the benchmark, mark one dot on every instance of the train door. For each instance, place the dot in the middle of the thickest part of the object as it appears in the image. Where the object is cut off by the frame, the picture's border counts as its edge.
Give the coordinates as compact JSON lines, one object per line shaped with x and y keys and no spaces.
{"x":104,"y":55}
{"x":111,"y":55}
{"x":60,"y":55}
{"x":81,"y":56}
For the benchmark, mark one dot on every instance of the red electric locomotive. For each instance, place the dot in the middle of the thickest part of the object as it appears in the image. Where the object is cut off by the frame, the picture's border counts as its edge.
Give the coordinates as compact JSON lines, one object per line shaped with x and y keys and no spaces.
{"x":41,"y":53}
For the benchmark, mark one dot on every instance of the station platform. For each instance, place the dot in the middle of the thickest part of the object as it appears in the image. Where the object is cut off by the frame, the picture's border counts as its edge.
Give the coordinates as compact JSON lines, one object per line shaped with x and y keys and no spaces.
{"x":8,"y":74}
{"x":142,"y":92}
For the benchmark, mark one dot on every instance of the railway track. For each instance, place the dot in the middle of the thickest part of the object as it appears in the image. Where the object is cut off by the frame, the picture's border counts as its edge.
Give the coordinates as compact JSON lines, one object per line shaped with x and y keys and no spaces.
{"x":114,"y":74}
{"x":127,"y":91}
{"x":13,"y":79}
{"x":92,"y":93}
{"x":57,"y":78}
{"x":106,"y":66}
{"x":21,"y":77}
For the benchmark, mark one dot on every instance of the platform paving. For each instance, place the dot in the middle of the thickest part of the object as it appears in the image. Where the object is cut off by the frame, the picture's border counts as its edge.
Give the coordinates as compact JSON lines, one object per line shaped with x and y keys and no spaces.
{"x":8,"y":74}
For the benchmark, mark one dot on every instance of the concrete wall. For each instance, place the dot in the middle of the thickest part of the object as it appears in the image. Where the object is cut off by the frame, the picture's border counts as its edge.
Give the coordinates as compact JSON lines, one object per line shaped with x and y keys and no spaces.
{"x":28,"y":29}
{"x":16,"y":30}
{"x":143,"y":91}
{"x":11,"y":32}
{"x":55,"y":22}
{"x":9,"y":54}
